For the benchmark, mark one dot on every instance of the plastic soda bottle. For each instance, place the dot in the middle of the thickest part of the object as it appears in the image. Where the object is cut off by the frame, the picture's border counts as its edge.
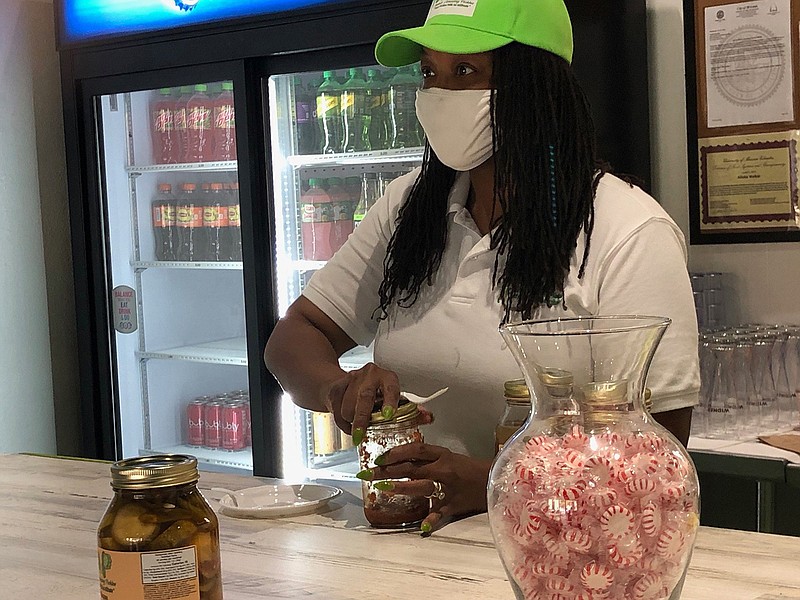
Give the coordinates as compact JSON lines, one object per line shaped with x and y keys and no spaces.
{"x":402,"y":95}
{"x":179,"y":121}
{"x":164,"y":233}
{"x":376,"y":107}
{"x":355,"y":116}
{"x":234,"y":237}
{"x":369,"y":194}
{"x":215,"y":223}
{"x":304,"y":118}
{"x":342,"y":212}
{"x":329,"y":115}
{"x":189,"y":224}
{"x":225,"y":124}
{"x":162,"y":128}
{"x":316,"y":209}
{"x":199,"y":135}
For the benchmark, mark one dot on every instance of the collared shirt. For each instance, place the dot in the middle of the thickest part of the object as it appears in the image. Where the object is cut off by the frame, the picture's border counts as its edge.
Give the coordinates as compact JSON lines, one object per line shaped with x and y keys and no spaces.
{"x":450,"y":337}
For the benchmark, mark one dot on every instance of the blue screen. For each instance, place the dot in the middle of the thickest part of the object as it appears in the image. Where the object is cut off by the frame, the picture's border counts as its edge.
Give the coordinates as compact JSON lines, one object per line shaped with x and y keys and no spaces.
{"x":87,"y":19}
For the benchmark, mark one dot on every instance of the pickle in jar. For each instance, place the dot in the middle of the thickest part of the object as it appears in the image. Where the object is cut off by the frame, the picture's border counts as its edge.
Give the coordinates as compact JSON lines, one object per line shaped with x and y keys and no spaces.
{"x":129,"y":528}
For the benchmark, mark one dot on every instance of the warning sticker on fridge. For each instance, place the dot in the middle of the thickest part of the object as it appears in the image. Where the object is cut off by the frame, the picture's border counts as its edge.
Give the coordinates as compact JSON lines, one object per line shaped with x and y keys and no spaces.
{"x":465,"y":8}
{"x":124,"y":309}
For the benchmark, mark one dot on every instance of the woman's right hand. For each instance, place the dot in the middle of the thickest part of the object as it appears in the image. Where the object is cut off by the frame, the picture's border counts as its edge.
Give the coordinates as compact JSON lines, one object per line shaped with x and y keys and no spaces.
{"x":353,"y":398}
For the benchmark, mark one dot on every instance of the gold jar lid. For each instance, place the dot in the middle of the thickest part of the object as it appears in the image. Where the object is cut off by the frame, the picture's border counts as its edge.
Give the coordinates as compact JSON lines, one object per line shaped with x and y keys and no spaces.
{"x":606,"y":392}
{"x":517,"y":389}
{"x":406,"y":411}
{"x":159,"y":471}
{"x":553,"y":377}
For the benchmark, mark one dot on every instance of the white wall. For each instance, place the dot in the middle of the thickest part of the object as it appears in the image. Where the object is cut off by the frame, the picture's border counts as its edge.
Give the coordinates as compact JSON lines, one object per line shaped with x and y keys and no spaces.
{"x":764,"y":277}
{"x":34,"y":244}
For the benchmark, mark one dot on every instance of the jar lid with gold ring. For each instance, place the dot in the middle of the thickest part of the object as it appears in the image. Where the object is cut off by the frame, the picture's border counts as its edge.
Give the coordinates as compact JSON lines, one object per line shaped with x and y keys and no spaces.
{"x":604,"y":393}
{"x":516,"y":391}
{"x":157,"y":471}
{"x":406,"y":411}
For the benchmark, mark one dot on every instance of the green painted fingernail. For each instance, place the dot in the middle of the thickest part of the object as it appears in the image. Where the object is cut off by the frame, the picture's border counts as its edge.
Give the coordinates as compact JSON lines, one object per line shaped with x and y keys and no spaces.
{"x":387,"y":411}
{"x":358,"y":436}
{"x":365,"y":475}
{"x":425,"y":527}
{"x":384,"y":486}
{"x":381,"y":460}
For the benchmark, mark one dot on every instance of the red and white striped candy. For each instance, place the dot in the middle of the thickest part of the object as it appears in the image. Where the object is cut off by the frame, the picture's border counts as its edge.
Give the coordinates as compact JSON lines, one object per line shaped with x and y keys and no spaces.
{"x":541,"y":444}
{"x":522,"y":573}
{"x":574,"y":458}
{"x":648,"y":587}
{"x":529,"y":467}
{"x":576,"y":438}
{"x":670,"y":543}
{"x":576,"y":539}
{"x":640,"y":486}
{"x":602,"y":497}
{"x":559,"y":584}
{"x":543,"y":567}
{"x":625,"y":555}
{"x":601,"y":469}
{"x":570,"y":489}
{"x":597,"y":576}
{"x":646,"y":463}
{"x":617,"y":522}
{"x":558,"y":596}
{"x":651,"y":442}
{"x":651,"y":519}
{"x":551,"y":542}
{"x":531,"y":523}
{"x":672,"y":492}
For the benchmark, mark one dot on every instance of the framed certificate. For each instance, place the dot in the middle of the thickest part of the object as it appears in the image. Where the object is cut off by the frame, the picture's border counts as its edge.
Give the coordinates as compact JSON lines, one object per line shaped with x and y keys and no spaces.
{"x":743,"y":115}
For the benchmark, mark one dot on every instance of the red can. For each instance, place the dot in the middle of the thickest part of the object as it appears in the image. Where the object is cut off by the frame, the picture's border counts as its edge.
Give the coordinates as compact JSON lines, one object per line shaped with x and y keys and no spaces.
{"x":248,"y":427}
{"x":233,"y":426}
{"x":195,"y":422}
{"x":213,"y":418}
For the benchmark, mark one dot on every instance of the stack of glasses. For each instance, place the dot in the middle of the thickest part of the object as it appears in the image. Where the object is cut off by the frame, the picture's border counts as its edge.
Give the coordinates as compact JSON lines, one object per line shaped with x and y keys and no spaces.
{"x":709,"y":290}
{"x":750,"y":382}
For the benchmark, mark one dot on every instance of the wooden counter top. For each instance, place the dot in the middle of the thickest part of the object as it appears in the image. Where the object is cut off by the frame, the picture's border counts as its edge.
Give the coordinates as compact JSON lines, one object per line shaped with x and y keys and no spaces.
{"x":49,"y":510}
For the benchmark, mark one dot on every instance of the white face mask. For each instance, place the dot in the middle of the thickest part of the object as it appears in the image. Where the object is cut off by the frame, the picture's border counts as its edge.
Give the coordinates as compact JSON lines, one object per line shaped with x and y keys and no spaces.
{"x":458,"y":125}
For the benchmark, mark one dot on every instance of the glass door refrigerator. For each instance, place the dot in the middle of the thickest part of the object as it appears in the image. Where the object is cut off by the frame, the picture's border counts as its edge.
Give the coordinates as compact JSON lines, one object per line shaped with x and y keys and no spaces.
{"x":169,"y":186}
{"x":338,"y":137}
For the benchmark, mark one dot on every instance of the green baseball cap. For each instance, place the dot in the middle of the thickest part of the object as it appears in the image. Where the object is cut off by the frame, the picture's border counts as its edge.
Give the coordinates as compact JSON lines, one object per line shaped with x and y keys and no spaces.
{"x":472,"y":26}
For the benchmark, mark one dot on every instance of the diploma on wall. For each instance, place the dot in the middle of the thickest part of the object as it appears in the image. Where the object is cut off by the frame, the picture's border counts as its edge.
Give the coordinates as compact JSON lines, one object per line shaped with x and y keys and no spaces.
{"x":749,"y":182}
{"x":748,"y":63}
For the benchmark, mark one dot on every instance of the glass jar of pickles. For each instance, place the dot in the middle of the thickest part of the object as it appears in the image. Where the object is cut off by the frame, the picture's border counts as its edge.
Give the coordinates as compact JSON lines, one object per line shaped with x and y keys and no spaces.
{"x":388,"y":509}
{"x":518,"y":407}
{"x":158,"y":538}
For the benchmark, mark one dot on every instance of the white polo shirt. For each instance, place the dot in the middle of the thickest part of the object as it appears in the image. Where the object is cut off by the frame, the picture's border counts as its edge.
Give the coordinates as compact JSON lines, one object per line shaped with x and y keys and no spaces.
{"x":449,"y":337}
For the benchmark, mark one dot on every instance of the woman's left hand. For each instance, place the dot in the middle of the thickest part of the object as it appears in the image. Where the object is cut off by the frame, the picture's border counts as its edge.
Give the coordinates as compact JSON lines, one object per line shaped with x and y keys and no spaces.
{"x":455,"y":483}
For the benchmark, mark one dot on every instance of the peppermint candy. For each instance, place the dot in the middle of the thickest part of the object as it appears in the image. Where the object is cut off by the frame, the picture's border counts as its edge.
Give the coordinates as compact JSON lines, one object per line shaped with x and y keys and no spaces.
{"x":574,"y":458}
{"x":544,"y":568}
{"x":597,"y":576}
{"x":625,"y":555}
{"x":617,"y":522}
{"x":640,"y":486}
{"x":559,"y":584}
{"x":602,"y":498}
{"x":651,"y":519}
{"x":648,"y":587}
{"x":600,"y":469}
{"x":577,"y":540}
{"x":670,"y":543}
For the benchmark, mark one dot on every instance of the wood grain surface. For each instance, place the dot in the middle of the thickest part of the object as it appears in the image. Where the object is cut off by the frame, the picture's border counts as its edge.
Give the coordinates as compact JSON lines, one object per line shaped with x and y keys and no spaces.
{"x":49,"y":510}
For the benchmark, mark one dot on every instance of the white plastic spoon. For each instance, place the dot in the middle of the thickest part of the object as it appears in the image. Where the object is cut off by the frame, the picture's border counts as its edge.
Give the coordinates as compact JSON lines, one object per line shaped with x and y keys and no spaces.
{"x":423,"y":399}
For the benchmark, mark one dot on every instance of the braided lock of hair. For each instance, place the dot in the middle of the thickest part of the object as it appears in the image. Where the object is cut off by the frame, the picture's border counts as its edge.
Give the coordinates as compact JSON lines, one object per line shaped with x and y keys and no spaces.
{"x":545,"y":177}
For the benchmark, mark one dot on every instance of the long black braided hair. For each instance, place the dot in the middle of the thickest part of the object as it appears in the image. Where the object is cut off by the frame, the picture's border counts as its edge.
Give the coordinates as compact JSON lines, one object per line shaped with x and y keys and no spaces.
{"x":545,"y":178}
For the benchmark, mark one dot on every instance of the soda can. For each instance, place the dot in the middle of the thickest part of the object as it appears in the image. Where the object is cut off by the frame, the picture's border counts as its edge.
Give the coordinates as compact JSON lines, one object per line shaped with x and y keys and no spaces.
{"x":326,"y":434}
{"x":248,"y":424}
{"x":212,"y":417}
{"x":195,"y":421}
{"x":233,"y":426}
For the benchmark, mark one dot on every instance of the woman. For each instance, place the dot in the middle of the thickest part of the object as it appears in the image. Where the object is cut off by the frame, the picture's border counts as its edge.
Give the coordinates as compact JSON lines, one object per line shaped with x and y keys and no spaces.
{"x":510,"y":217}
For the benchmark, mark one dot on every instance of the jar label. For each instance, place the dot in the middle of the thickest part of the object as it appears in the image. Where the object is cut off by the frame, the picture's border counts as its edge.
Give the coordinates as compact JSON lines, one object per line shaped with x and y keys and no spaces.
{"x":162,"y":575}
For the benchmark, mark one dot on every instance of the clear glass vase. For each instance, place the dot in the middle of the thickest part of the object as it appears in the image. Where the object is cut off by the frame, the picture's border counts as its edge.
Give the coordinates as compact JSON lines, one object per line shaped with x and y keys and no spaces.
{"x":592,"y":498}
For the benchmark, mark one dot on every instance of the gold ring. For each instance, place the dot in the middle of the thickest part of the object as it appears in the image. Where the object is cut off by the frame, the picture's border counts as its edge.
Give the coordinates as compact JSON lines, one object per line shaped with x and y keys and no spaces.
{"x":438,"y":492}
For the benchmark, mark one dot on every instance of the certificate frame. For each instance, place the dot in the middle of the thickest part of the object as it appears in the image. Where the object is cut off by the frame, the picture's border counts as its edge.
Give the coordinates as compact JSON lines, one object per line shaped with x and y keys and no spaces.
{"x":726,"y":207}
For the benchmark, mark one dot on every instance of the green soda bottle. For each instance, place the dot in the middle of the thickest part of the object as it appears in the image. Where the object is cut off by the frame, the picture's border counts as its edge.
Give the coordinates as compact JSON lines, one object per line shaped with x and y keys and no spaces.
{"x":376,"y":106}
{"x":329,"y":115}
{"x":402,"y":109}
{"x":355,"y":117}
